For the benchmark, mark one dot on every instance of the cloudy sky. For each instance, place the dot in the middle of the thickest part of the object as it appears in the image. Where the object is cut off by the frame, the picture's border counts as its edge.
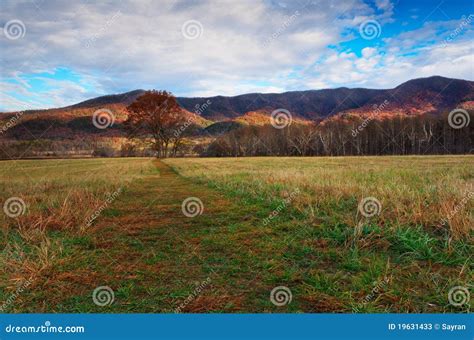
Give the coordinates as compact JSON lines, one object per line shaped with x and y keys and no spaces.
{"x":57,"y":53}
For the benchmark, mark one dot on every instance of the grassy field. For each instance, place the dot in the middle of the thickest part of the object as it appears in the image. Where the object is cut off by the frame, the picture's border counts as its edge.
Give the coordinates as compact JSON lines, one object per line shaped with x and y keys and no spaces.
{"x":295,"y":223}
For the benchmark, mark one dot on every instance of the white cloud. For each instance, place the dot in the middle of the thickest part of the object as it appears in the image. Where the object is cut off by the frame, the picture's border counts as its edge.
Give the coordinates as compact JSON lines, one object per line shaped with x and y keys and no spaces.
{"x":245,"y":46}
{"x":377,"y":69}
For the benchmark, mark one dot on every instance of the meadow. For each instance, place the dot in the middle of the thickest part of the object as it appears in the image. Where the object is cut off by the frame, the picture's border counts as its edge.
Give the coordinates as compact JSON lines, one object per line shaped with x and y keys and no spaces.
{"x":340,"y":234}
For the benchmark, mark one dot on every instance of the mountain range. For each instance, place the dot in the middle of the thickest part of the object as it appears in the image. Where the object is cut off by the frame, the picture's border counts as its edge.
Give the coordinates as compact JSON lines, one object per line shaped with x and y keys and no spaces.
{"x":433,"y":95}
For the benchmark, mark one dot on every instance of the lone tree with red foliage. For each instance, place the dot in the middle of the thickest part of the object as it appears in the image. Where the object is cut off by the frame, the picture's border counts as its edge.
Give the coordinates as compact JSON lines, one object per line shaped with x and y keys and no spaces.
{"x":157,"y":117}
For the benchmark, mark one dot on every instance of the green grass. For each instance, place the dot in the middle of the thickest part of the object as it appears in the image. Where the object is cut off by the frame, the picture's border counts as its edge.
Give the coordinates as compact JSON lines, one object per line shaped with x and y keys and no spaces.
{"x":317,"y":244}
{"x":321,"y":222}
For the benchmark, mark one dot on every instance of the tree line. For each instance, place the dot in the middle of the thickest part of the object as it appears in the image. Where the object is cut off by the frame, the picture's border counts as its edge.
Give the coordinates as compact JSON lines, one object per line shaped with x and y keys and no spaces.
{"x":407,"y":135}
{"x":157,"y":125}
{"x":156,"y":115}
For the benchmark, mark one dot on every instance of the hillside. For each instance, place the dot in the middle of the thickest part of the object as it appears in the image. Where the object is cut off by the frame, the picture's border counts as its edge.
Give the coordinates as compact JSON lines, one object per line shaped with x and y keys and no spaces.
{"x":425,"y":95}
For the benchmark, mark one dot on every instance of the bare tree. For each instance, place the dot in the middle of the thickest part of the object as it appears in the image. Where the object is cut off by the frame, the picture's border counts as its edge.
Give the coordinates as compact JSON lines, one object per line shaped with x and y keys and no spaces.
{"x":424,"y":134}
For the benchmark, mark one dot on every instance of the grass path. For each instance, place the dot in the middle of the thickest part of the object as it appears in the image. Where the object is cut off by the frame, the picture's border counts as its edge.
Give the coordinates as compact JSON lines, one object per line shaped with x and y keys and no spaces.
{"x":154,"y":257}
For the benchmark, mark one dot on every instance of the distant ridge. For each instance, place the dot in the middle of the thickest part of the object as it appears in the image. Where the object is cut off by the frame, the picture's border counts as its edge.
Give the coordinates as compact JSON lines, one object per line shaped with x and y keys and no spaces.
{"x":430,"y":94}
{"x":122,"y":98}
{"x":215,"y":115}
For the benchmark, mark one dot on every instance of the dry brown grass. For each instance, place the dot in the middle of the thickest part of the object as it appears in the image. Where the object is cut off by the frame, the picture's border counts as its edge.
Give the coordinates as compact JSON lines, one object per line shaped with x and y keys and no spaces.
{"x":59,"y":196}
{"x":413,"y":190}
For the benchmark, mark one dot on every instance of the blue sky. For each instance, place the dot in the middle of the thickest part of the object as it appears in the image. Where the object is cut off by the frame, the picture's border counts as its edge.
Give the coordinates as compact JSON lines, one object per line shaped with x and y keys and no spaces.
{"x":57,"y":53}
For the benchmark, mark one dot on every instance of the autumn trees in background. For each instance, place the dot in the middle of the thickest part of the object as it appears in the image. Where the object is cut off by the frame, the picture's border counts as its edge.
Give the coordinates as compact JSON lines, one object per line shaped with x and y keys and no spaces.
{"x":343,"y":137}
{"x":159,"y":129}
{"x":157,"y":117}
{"x":156,"y":125}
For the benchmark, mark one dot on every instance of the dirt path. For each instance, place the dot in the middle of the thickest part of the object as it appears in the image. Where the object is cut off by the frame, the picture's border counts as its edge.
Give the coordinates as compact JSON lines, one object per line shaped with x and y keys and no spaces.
{"x":154,"y":257}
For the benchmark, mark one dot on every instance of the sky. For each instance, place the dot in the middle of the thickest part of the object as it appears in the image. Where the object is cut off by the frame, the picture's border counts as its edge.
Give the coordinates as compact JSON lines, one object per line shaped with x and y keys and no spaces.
{"x":57,"y":53}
